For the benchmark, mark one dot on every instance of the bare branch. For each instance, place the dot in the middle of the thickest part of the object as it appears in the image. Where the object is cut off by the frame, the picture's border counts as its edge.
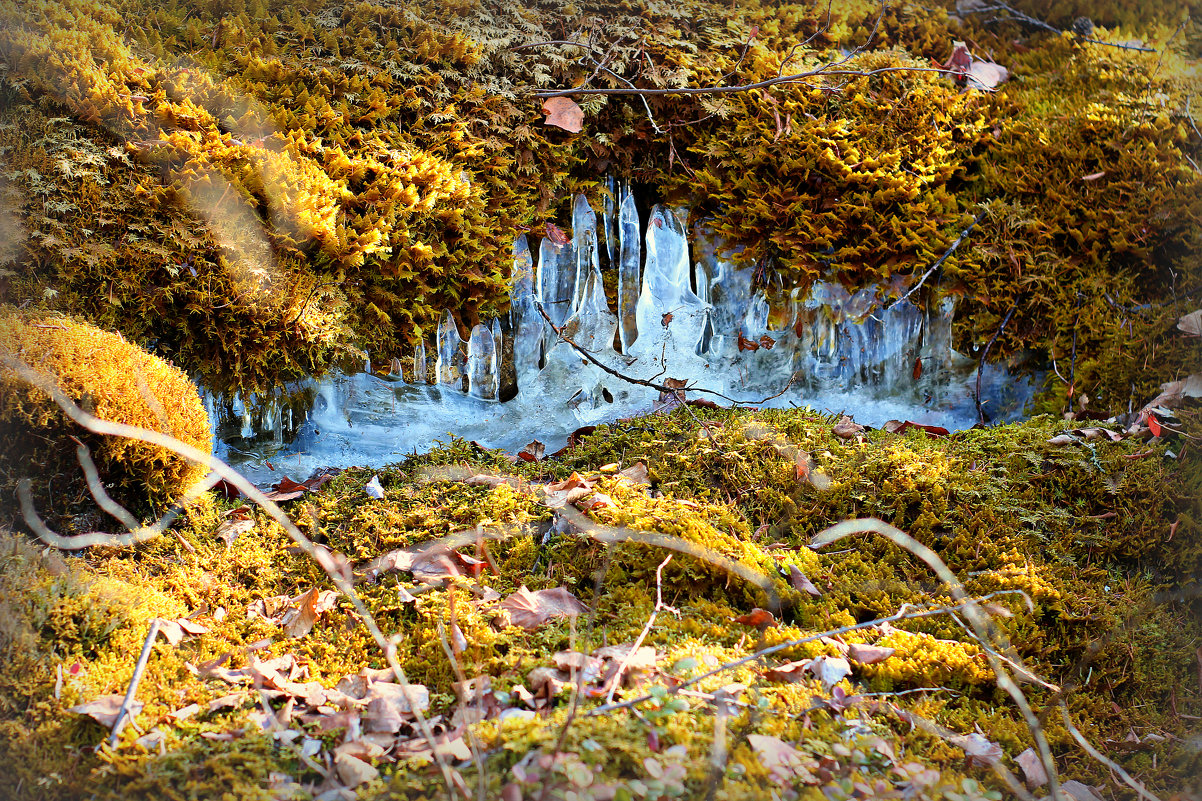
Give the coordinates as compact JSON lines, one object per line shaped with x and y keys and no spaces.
{"x":139,"y":669}
{"x":938,"y":262}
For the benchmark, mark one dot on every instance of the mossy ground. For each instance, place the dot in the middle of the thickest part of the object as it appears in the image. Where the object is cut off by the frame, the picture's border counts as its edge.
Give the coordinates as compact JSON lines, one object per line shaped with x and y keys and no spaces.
{"x":1105,"y":540}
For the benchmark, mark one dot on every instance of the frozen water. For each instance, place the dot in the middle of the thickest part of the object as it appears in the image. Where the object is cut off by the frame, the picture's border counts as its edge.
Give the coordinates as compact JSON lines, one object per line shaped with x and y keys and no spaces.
{"x":482,"y":375}
{"x":685,"y":315}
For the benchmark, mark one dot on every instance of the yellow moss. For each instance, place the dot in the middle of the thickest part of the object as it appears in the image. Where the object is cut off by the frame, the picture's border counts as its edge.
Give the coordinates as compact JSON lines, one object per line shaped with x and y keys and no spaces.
{"x":114,"y":380}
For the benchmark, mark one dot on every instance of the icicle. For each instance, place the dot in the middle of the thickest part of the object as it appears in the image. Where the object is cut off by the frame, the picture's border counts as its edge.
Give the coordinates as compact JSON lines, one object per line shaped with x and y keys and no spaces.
{"x":448,"y":367}
{"x":419,"y":363}
{"x":584,"y":244}
{"x":556,"y":279}
{"x":525,"y":322}
{"x":629,"y":270}
{"x":482,"y":363}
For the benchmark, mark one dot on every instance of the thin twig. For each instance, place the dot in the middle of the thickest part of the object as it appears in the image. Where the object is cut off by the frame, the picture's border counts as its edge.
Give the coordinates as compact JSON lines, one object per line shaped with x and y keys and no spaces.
{"x":1018,"y":16}
{"x":472,"y":741}
{"x":659,"y":604}
{"x":139,"y":669}
{"x":1100,"y":757}
{"x":981,"y":623}
{"x":676,"y":391}
{"x":984,"y":353}
{"x":938,"y":262}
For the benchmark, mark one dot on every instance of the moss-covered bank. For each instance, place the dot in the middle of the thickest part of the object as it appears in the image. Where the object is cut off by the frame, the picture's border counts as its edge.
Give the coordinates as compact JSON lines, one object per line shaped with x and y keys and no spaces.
{"x":1102,"y":537}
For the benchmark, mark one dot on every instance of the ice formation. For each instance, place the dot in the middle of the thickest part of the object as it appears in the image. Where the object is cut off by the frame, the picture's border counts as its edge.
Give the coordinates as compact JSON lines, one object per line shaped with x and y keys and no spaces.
{"x":682,"y":312}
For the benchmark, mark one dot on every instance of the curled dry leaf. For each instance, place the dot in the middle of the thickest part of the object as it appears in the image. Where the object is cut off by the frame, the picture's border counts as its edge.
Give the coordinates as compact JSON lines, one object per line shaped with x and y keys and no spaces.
{"x":800,"y":583}
{"x":299,"y":619}
{"x":978,"y":750}
{"x":532,"y":609}
{"x":791,"y":672}
{"x":783,"y":762}
{"x":636,"y":474}
{"x":564,"y":112}
{"x":759,"y":618}
{"x":830,"y":670}
{"x":232,"y":529}
{"x":1191,"y":323}
{"x":868,"y":654}
{"x":533,"y":452}
{"x":1031,"y":766}
{"x":104,"y":710}
{"x":847,"y":428}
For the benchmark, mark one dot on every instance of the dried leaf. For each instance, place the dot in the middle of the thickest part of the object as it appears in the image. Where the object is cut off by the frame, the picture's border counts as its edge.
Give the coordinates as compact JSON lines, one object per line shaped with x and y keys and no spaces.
{"x":104,"y":709}
{"x":299,"y":620}
{"x":636,"y":474}
{"x":1093,"y":176}
{"x":759,"y":618}
{"x":1191,"y":323}
{"x":1079,"y":791}
{"x":373,"y":488}
{"x":532,"y":609}
{"x":830,"y":670}
{"x":557,"y":235}
{"x":231,"y":530}
{"x":747,"y":344}
{"x":868,"y":654}
{"x":978,"y":749}
{"x":847,"y":428}
{"x":1032,"y":767}
{"x":784,"y":763}
{"x":353,"y":771}
{"x":533,"y":452}
{"x":801,"y":583}
{"x":767,"y":342}
{"x":792,"y":672}
{"x":563,"y":112}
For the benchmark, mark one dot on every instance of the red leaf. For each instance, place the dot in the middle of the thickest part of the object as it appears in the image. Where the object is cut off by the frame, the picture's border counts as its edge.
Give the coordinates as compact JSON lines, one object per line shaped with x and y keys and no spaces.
{"x":767,"y":342}
{"x":917,"y":372}
{"x":1154,"y":425}
{"x":759,"y":618}
{"x":747,"y":344}
{"x":557,"y":235}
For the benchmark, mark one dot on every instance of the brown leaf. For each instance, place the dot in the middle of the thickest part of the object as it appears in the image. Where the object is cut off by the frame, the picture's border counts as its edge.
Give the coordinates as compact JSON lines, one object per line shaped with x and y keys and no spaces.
{"x":666,"y":319}
{"x":986,"y":75}
{"x":1191,"y":323}
{"x":792,"y":672}
{"x":557,"y":235}
{"x":747,"y":344}
{"x":847,"y":428}
{"x":353,"y":771}
{"x":767,"y":342}
{"x":759,"y":618}
{"x":868,"y":654}
{"x":1078,"y":791}
{"x":104,"y":709}
{"x":801,"y":583}
{"x":1032,"y":767}
{"x":960,"y":60}
{"x":978,"y":749}
{"x":784,"y":763}
{"x":563,"y":112}
{"x":916,"y":373}
{"x":532,"y":609}
{"x":532,"y":452}
{"x":231,"y":530}
{"x":636,"y":474}
{"x":308,"y":606}
{"x":570,"y":490}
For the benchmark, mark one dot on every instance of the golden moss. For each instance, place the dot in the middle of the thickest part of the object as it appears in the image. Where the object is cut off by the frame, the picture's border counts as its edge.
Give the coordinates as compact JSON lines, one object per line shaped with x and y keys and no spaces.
{"x":115,"y":381}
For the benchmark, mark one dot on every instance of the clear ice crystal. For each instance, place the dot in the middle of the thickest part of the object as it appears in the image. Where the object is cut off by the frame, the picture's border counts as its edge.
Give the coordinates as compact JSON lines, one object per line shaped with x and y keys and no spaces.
{"x":482,"y":374}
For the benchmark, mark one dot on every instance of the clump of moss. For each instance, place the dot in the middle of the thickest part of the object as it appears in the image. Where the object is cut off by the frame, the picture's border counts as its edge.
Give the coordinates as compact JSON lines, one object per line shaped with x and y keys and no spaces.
{"x":113,"y":380}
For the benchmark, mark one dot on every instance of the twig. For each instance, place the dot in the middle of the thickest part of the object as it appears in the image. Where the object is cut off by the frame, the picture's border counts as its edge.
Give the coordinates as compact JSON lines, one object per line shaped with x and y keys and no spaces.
{"x":473,"y":742}
{"x":903,"y":613}
{"x":334,"y":565}
{"x":938,"y":262}
{"x":677,"y":391}
{"x":1018,"y":16}
{"x":982,"y":624}
{"x":659,"y":604}
{"x":984,"y":353}
{"x":1100,"y":757}
{"x":139,"y":669}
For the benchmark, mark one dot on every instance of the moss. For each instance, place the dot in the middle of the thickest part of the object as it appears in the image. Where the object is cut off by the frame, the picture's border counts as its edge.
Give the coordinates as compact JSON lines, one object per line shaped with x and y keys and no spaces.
{"x":114,"y":380}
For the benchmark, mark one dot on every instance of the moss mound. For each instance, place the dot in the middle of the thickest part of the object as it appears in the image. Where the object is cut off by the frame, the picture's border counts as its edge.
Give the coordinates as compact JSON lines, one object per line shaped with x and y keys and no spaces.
{"x":1102,"y":537}
{"x":112,"y":379}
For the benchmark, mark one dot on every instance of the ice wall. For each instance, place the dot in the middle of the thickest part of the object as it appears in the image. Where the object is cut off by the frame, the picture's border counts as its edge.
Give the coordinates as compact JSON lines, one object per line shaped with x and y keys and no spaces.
{"x":679,"y":312}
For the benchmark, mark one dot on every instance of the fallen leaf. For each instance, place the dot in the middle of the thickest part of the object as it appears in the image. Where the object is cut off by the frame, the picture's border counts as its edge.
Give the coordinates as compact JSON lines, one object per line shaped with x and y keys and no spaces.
{"x":747,"y":344}
{"x":1154,"y":425}
{"x":636,"y":474}
{"x":557,"y":235}
{"x":868,"y":654}
{"x":978,"y":749}
{"x":1191,"y":323}
{"x":960,"y":59}
{"x":800,"y":583}
{"x":104,"y":709}
{"x":532,"y":452}
{"x":1032,"y":767}
{"x":666,"y":319}
{"x":1093,"y":176}
{"x":784,"y":763}
{"x":1079,"y":791}
{"x":231,"y":530}
{"x":353,"y":771}
{"x":916,"y":373}
{"x":767,"y":342}
{"x":298,"y":620}
{"x":792,"y":672}
{"x":373,"y":488}
{"x":563,"y":112}
{"x":899,"y":426}
{"x":531,"y":609}
{"x":847,"y":428}
{"x":758,"y":618}
{"x":571,"y":489}
{"x":1174,"y":393}
{"x":830,"y":670}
